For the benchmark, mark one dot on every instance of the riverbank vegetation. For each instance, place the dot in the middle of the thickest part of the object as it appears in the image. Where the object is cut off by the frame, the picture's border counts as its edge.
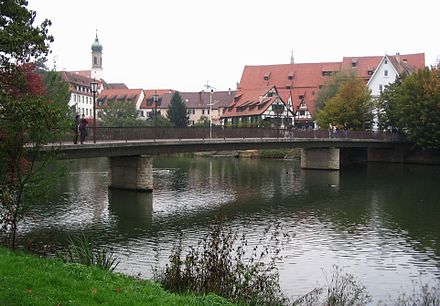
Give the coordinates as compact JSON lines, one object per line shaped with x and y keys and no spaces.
{"x":221,"y":264}
{"x":29,"y":280}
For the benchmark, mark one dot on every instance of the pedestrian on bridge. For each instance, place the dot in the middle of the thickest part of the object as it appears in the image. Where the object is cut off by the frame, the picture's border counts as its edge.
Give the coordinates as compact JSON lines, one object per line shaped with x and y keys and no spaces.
{"x":83,"y":129}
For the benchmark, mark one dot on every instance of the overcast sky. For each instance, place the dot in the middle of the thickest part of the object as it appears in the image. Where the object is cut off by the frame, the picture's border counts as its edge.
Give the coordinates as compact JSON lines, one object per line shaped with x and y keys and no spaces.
{"x":182,"y":44}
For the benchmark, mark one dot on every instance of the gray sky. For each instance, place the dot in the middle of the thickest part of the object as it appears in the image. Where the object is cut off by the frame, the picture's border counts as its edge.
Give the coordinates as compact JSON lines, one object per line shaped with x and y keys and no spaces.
{"x":181,"y":44}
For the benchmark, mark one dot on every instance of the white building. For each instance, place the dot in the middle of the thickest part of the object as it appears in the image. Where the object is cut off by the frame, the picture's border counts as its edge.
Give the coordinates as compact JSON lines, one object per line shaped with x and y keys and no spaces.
{"x":389,"y":69}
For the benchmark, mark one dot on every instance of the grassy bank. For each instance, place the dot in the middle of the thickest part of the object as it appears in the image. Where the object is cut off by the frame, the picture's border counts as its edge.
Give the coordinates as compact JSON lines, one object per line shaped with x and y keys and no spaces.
{"x":29,"y":280}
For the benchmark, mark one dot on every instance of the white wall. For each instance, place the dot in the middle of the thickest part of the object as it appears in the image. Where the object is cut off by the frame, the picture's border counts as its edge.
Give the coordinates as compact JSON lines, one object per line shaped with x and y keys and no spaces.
{"x":379,"y":77}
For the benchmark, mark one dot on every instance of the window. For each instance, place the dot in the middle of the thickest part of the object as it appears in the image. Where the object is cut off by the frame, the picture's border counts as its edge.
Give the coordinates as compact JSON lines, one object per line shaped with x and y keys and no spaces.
{"x":380,"y":87}
{"x":354,"y":62}
{"x":87,"y":111}
{"x":386,"y":62}
{"x":266,"y":76}
{"x":142,"y":113}
{"x":203,"y":111}
{"x":385,"y":73}
{"x":208,"y":111}
{"x":194,"y":111}
{"x":301,"y":97}
{"x":95,"y":60}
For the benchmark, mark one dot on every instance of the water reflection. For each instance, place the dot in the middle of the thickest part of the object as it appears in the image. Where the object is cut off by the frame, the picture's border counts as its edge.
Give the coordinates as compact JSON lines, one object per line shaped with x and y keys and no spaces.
{"x":379,"y":222}
{"x":132,"y":211}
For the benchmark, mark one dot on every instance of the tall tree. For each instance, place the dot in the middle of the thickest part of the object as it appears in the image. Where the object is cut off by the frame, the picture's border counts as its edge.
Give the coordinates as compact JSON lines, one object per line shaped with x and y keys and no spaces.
{"x":350,"y":107}
{"x":331,"y":87}
{"x":20,"y":40}
{"x":32,"y":113}
{"x":177,"y":112}
{"x":413,"y":106}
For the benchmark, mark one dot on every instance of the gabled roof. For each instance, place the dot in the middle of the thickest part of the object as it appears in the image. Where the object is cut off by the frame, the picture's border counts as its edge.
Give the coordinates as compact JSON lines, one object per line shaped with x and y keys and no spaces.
{"x":77,"y":79}
{"x":193,"y":99}
{"x":116,"y":86}
{"x":118,"y":95}
{"x":148,"y":96}
{"x":305,"y":79}
{"x":86,"y":73}
{"x":297,"y":75}
{"x":399,"y":66}
{"x":251,"y":102}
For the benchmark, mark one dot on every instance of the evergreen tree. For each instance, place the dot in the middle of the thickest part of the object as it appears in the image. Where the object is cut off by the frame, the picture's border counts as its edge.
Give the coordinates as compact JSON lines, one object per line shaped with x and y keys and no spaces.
{"x":177,"y":112}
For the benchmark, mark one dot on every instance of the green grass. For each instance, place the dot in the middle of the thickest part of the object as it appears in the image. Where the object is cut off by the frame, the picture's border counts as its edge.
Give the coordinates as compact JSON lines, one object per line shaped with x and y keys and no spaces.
{"x":29,"y":280}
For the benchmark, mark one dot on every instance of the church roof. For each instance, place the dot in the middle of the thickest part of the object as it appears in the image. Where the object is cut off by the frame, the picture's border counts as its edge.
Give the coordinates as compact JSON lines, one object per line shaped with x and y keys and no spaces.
{"x":96,"y":46}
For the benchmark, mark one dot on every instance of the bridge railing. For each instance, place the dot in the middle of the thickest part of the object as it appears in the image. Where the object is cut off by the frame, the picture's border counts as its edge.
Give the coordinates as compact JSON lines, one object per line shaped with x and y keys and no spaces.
{"x":148,"y":133}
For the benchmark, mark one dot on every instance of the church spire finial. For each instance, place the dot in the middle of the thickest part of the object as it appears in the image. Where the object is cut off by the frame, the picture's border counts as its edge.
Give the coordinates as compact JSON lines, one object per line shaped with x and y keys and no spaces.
{"x":292,"y":59}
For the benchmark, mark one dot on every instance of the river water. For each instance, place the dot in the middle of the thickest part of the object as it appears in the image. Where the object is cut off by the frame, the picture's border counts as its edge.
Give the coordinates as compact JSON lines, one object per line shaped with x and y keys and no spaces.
{"x":378,"y":222}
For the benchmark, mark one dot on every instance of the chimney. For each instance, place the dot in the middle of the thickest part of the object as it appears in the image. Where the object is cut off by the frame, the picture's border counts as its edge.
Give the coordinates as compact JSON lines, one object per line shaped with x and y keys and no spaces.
{"x":229,"y":91}
{"x":398,"y":57}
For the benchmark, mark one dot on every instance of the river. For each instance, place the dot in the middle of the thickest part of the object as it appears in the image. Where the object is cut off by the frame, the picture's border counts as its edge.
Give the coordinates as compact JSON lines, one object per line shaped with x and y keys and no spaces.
{"x":378,"y":222}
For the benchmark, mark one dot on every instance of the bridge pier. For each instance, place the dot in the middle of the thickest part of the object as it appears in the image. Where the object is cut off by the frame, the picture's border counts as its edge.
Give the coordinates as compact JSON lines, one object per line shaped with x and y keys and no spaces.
{"x":131,"y":173}
{"x":320,"y":158}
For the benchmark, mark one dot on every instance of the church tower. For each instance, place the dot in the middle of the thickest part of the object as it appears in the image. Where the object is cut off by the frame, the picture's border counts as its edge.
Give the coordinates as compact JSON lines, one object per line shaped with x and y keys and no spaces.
{"x":96,"y":72}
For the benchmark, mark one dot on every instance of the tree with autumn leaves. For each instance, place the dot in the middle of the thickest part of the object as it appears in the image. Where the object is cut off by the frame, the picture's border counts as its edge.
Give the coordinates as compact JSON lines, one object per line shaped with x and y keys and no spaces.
{"x":347,"y":104}
{"x":33,"y":108}
{"x":412,"y":105}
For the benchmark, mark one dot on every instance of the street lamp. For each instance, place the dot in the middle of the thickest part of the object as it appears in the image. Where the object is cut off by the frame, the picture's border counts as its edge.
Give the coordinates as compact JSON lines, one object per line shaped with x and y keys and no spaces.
{"x":155,"y":99}
{"x":94,"y":88}
{"x":210,"y":113}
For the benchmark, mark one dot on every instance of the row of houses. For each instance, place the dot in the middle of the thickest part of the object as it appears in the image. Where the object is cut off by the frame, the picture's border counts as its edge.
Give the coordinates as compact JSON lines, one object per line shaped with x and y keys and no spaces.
{"x":286,"y":93}
{"x":282,"y":95}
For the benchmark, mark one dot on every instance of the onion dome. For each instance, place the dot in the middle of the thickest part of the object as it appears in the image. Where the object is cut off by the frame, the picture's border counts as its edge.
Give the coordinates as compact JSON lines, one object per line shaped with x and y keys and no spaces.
{"x":96,"y":46}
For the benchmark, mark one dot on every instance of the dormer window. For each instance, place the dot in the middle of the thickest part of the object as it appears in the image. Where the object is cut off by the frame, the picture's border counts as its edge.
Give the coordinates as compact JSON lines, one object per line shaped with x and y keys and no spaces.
{"x":370,"y":71}
{"x":290,"y":75}
{"x":301,"y":97}
{"x":266,"y":76}
{"x":354,"y":62}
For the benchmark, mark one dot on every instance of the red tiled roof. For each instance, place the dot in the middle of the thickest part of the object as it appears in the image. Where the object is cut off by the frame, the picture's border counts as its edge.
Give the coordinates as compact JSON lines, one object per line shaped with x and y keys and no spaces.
{"x":305,"y":79}
{"x":149,"y":93}
{"x":250,"y":102}
{"x":121,"y":94}
{"x":85,"y":73}
{"x":193,"y":99}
